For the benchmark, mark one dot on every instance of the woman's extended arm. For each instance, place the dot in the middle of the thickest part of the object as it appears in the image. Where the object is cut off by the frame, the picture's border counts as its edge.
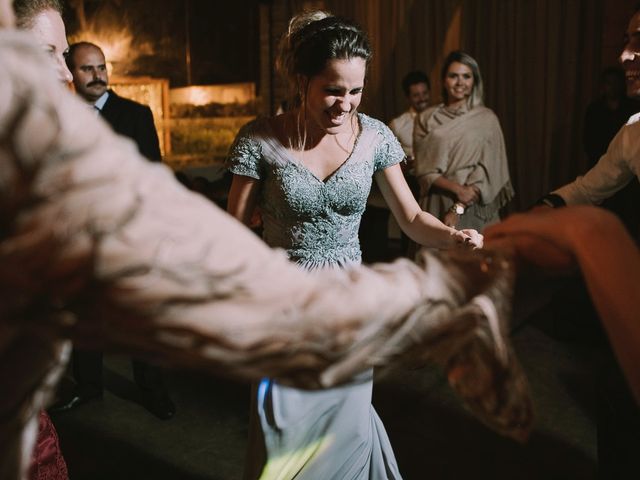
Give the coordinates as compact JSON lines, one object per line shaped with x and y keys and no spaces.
{"x":420,"y":226}
{"x":550,"y":239}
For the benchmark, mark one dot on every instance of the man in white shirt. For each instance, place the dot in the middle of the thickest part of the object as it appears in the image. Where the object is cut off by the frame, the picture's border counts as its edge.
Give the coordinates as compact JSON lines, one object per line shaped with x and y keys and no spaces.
{"x":618,"y":419}
{"x":618,"y":166}
{"x":416,"y":88}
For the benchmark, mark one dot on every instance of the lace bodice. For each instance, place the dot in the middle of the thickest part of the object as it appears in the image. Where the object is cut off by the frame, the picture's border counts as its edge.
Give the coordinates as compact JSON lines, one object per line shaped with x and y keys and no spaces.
{"x":315,"y":221}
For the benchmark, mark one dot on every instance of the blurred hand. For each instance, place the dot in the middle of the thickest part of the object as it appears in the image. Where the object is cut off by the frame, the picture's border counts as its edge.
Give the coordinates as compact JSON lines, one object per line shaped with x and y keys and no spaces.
{"x":469,"y":238}
{"x":541,"y":238}
{"x":467,"y":195}
{"x":536,"y":253}
{"x":476,"y":239}
{"x":554,"y":225}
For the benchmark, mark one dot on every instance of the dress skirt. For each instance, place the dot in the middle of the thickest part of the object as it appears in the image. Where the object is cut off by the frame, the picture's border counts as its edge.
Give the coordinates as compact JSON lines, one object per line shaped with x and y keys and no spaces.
{"x":326,"y":434}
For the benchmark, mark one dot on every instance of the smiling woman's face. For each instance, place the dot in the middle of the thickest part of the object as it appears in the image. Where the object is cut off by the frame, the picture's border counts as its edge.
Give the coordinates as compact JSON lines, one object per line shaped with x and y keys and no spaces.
{"x":458,"y":83}
{"x":334,"y":94}
{"x":48,"y":30}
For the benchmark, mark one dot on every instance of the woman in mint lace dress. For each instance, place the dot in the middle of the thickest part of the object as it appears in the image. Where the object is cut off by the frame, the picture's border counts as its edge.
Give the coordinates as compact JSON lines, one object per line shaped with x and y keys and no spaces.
{"x":310,"y":171}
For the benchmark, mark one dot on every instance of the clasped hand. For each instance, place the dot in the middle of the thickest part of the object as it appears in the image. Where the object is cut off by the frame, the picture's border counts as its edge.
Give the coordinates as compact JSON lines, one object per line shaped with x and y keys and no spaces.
{"x":468,"y":194}
{"x":469,"y":238}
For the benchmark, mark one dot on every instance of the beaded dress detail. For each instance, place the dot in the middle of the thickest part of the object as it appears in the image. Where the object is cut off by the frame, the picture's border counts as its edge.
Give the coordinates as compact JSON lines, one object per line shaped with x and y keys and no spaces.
{"x":333,"y":433}
{"x":315,"y":221}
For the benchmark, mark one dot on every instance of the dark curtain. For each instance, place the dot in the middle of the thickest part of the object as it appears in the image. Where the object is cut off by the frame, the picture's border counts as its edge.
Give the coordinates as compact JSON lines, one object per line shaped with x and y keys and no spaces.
{"x":539,"y":59}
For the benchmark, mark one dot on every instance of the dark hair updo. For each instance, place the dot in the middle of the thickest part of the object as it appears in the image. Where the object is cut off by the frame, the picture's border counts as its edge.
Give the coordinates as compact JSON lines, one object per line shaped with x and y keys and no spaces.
{"x":314,"y":38}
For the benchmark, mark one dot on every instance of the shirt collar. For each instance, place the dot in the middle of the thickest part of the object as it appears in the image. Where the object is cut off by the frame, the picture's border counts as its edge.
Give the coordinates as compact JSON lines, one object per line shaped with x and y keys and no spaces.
{"x":99,"y":104}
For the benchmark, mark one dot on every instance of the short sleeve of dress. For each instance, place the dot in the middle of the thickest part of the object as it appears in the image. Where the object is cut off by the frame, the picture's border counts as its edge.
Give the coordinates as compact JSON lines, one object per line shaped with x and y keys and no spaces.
{"x":245,"y":154}
{"x":388,"y":151}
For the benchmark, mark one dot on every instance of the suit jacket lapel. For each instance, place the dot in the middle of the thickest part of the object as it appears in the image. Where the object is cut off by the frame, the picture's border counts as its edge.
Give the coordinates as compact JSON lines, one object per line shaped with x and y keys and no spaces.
{"x":110,"y":111}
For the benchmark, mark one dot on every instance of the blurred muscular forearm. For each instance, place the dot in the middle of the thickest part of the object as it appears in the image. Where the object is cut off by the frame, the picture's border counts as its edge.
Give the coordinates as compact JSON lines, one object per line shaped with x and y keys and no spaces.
{"x":554,"y":240}
{"x":106,"y":249}
{"x":99,"y":246}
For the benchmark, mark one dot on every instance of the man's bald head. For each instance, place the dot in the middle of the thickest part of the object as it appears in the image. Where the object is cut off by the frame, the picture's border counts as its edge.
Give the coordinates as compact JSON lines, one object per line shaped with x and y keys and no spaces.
{"x":89,"y":69}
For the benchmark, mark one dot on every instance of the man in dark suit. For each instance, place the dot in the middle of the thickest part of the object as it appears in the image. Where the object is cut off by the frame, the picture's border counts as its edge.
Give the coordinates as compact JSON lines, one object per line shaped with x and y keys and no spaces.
{"x":91,"y":81}
{"x":87,"y":63}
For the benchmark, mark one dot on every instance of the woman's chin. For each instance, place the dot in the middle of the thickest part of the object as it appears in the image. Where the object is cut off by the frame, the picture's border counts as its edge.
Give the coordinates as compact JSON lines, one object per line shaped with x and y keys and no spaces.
{"x":335,"y":129}
{"x":333,"y":126}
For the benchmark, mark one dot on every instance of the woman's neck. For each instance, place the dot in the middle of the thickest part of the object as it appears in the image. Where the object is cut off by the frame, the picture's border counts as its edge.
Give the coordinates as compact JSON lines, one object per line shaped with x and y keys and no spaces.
{"x":303,"y":132}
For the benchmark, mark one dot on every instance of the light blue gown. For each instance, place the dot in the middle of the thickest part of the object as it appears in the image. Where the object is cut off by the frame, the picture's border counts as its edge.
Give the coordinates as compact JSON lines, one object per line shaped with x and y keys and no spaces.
{"x":333,"y":433}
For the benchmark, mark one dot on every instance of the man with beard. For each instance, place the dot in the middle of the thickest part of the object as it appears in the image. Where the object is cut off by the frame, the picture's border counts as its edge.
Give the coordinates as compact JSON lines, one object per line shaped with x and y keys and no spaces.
{"x":416,"y":88}
{"x":87,"y":64}
{"x":375,"y":222}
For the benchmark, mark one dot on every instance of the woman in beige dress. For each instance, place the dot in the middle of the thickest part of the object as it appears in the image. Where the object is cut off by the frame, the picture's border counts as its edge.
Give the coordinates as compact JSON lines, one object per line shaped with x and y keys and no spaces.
{"x":461,"y":162}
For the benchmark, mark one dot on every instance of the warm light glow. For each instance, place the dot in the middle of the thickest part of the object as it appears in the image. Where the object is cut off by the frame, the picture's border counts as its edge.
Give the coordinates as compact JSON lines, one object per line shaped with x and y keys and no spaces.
{"x":116,"y":44}
{"x":205,"y":94}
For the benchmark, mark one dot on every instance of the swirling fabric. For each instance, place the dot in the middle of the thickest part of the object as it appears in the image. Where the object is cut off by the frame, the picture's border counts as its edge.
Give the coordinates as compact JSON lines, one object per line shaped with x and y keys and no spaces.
{"x":99,"y":246}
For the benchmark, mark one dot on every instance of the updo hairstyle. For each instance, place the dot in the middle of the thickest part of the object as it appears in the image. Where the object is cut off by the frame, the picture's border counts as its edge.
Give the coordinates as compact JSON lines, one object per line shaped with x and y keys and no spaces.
{"x":312,"y":39}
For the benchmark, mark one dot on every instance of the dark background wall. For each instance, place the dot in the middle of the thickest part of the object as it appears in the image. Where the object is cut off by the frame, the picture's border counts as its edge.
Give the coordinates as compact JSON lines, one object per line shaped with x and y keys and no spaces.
{"x":223,"y":37}
{"x":540,"y":59}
